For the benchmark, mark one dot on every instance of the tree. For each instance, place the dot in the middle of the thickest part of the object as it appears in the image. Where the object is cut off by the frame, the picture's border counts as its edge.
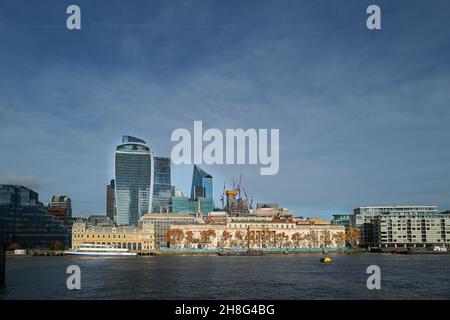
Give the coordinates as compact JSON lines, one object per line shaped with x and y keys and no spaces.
{"x":296,"y":238}
{"x":312,"y":238}
{"x":352,"y":236}
{"x":13,"y":246}
{"x":205,"y":235}
{"x":238,"y":235}
{"x":57,"y":245}
{"x":225,"y":237}
{"x":339,"y":238}
{"x":189,"y":238}
{"x":174,"y":236}
{"x":327,"y":241}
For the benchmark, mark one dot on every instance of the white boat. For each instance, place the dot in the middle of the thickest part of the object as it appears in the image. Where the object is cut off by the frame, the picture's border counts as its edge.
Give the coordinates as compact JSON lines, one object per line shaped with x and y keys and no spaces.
{"x":440,"y":249}
{"x":90,"y":249}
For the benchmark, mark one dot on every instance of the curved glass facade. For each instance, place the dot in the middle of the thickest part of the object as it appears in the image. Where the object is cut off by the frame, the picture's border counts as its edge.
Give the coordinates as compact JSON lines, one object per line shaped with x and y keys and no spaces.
{"x":134,"y":182}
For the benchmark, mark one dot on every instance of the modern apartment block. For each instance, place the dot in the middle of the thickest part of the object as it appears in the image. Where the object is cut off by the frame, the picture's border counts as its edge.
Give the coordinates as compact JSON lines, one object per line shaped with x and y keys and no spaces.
{"x":402,"y":226}
{"x":421,"y":230}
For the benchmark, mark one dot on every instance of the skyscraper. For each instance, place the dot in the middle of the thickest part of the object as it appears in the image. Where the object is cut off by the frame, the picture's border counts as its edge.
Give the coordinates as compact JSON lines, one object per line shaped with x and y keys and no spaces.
{"x":202,"y":184}
{"x":61,"y":207}
{"x":162,"y":186}
{"x":111,"y":200}
{"x":134,"y":166}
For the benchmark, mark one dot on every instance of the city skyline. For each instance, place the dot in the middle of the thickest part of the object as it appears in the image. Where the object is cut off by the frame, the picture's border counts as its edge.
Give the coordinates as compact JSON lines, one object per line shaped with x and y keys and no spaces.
{"x":362,"y":117}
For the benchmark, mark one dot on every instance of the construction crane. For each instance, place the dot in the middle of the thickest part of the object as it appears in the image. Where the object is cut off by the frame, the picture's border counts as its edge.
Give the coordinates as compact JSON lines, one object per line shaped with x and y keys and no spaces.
{"x":239,"y":185}
{"x":222,"y":196}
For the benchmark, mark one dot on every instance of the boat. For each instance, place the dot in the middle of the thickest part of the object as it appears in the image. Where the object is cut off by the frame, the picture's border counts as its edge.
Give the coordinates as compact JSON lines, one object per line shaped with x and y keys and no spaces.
{"x":326,"y":260}
{"x":250,"y":252}
{"x":439,"y":249}
{"x":99,"y":250}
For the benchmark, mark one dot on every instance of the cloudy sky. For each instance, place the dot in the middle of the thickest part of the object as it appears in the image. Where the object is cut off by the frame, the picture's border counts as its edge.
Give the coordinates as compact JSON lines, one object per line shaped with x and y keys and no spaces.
{"x":363,"y":115}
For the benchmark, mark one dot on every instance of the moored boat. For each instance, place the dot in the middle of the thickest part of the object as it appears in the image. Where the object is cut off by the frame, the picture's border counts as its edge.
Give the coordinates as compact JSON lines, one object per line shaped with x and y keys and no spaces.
{"x":249,"y":252}
{"x":100,"y":250}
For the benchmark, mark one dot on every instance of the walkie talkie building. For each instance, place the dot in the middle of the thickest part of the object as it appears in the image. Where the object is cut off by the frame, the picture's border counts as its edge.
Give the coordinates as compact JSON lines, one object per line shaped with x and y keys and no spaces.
{"x":134,"y":167}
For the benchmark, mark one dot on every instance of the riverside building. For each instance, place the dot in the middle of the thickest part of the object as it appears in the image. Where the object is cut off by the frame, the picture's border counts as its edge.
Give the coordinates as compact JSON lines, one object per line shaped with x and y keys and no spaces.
{"x":160,"y":223}
{"x":26,"y":222}
{"x":402,"y":226}
{"x":258,"y":233}
{"x":134,"y":238}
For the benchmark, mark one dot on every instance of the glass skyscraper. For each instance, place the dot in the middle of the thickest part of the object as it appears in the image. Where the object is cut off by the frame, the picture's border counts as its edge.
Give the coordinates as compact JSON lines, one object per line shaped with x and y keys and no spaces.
{"x":202,"y":184}
{"x":134,"y":167}
{"x":162,"y":187}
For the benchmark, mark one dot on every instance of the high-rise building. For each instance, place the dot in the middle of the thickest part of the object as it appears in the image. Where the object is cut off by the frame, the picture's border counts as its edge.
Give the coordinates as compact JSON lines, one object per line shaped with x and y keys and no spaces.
{"x":162,"y":192}
{"x":61,"y":207}
{"x":134,"y":166}
{"x":202,"y":184}
{"x":26,"y":222}
{"x":111,"y":200}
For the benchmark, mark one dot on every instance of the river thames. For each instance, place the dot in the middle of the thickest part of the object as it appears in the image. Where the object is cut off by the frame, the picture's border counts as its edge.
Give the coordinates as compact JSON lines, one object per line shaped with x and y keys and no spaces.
{"x":293,"y":276}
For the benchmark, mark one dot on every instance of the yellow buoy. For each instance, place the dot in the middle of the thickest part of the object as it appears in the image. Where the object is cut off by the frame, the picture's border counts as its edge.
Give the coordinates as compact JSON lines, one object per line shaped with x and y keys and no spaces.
{"x":326,"y":260}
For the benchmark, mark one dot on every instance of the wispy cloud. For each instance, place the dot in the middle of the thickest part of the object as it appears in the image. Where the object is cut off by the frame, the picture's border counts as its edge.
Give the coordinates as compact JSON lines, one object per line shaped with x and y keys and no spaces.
{"x":363,"y":116}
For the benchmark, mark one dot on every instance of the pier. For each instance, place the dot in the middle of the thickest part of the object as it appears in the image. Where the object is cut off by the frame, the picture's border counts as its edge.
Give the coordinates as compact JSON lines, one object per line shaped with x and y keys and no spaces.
{"x":2,"y":264}
{"x":48,"y":253}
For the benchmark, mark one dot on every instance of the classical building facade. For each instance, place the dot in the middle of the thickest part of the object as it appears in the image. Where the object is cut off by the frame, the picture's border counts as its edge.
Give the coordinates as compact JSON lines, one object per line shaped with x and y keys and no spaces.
{"x":254,"y":232}
{"x":134,"y":238}
{"x":160,"y":223}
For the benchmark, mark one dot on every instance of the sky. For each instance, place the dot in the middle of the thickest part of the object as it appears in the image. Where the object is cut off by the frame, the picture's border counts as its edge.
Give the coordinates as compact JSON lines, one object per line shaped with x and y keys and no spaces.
{"x":363,"y":114}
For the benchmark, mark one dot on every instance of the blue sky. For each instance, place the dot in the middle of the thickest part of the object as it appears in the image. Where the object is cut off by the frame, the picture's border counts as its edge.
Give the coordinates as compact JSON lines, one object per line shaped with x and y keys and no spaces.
{"x":363,"y":115}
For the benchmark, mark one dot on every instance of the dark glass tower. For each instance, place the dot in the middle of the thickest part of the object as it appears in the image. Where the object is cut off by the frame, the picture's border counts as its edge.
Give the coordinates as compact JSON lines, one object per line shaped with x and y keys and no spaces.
{"x":111,"y":200}
{"x":134,"y":168}
{"x":162,"y":193}
{"x":202,"y":184}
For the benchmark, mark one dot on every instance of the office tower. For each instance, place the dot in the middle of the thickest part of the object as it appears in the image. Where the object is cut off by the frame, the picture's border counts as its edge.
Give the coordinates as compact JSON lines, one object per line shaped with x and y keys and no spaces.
{"x":134,"y":166}
{"x":201,"y":195}
{"x":61,"y":207}
{"x":111,"y":200}
{"x":202,"y":184}
{"x":26,"y":222}
{"x":162,"y":192}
